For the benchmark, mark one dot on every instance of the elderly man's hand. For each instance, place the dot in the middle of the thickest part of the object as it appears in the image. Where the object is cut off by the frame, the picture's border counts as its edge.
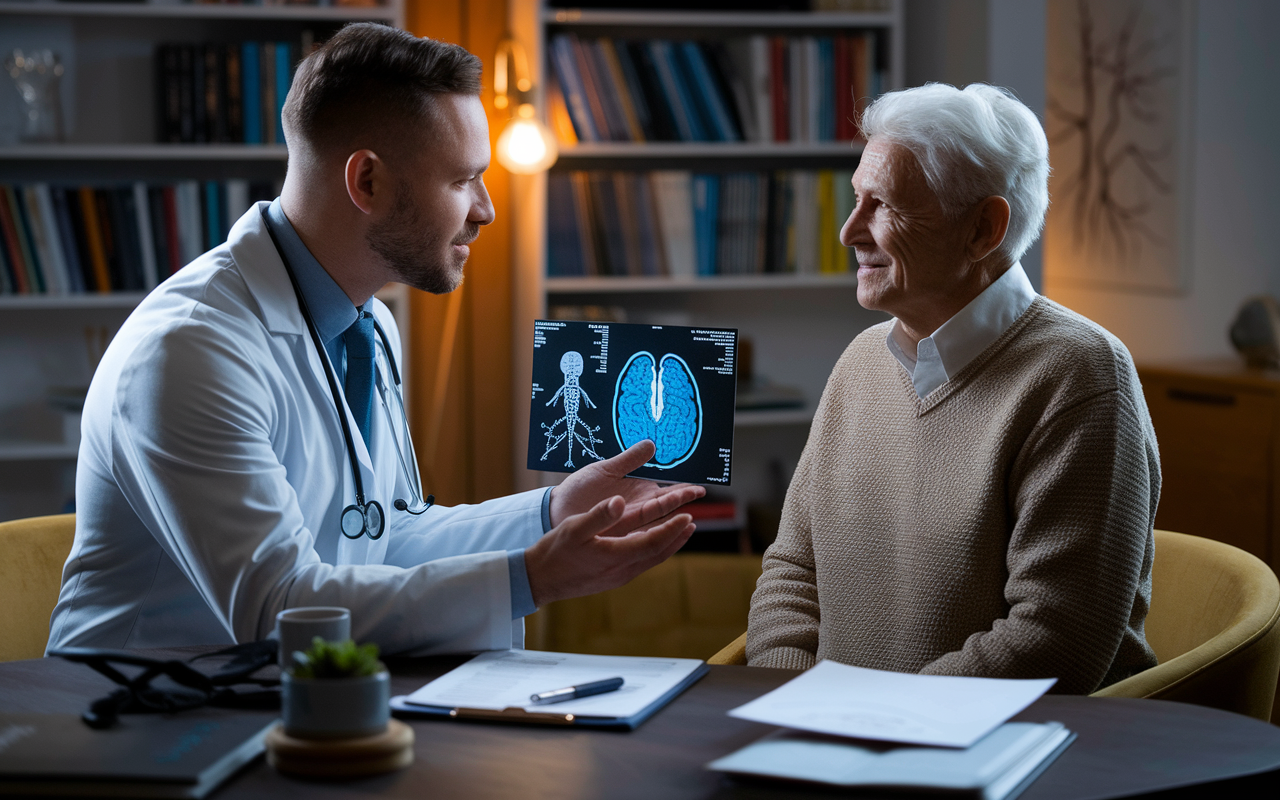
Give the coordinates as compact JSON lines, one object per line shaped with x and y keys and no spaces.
{"x":600,"y":480}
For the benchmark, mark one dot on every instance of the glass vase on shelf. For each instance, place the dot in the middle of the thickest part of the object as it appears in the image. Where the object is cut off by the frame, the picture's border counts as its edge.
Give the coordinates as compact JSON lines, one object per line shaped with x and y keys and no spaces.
{"x":38,"y":76}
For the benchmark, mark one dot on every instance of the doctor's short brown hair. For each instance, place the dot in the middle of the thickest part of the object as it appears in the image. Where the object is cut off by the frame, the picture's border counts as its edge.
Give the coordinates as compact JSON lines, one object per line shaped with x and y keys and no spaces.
{"x":369,"y":82}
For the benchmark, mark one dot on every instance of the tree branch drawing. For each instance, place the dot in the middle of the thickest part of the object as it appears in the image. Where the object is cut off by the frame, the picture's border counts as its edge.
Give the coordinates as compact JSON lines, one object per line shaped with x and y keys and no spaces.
{"x":1120,"y":92}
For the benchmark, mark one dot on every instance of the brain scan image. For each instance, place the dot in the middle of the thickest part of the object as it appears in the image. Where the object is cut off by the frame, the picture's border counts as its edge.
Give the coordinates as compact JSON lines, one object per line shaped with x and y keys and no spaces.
{"x":658,"y":399}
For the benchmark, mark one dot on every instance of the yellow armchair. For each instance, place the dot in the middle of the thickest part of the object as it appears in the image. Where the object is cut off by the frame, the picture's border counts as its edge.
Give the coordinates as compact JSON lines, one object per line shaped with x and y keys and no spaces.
{"x":1213,"y":625}
{"x":30,"y":578}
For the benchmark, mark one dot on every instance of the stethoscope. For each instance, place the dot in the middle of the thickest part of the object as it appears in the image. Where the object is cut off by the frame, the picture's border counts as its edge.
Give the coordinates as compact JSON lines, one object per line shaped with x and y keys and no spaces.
{"x":362,"y":517}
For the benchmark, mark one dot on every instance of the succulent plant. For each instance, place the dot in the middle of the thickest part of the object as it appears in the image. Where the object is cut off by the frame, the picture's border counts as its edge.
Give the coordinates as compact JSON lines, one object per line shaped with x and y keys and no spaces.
{"x":327,"y":660}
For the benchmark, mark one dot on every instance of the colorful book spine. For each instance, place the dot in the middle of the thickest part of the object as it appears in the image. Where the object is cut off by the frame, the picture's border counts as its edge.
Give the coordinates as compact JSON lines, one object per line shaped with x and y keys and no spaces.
{"x":251,"y":93}
{"x":284,"y":78}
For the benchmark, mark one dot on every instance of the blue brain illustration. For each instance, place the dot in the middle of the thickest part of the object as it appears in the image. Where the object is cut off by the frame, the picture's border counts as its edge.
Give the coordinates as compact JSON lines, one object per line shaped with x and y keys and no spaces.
{"x":659,"y":403}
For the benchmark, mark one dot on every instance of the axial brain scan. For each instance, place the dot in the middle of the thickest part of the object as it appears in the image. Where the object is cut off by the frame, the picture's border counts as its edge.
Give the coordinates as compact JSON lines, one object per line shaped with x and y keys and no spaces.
{"x":658,"y":402}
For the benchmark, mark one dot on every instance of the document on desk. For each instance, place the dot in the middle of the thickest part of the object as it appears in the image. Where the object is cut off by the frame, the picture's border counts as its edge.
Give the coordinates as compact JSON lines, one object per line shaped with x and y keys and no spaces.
{"x":504,"y":680}
{"x":841,"y":700}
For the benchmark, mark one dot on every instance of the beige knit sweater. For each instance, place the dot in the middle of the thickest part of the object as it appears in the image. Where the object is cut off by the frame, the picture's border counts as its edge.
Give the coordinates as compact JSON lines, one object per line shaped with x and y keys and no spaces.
{"x":1000,"y":527}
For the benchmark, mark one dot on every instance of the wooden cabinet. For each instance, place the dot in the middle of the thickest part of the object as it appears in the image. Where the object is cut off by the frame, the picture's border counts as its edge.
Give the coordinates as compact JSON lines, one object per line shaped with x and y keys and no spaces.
{"x":1216,"y":425}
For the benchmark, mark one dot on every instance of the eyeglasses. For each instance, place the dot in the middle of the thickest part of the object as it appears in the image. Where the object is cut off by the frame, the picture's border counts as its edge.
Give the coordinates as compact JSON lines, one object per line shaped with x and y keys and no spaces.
{"x":191,"y":687}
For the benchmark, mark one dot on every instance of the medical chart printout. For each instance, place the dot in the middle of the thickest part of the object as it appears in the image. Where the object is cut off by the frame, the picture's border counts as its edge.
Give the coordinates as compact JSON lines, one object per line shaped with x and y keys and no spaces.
{"x":502,"y":679}
{"x":941,"y":710}
{"x":600,"y":387}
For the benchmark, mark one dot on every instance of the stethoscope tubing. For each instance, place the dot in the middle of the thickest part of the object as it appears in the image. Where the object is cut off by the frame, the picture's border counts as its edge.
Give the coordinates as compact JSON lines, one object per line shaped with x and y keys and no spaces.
{"x":361,"y":518}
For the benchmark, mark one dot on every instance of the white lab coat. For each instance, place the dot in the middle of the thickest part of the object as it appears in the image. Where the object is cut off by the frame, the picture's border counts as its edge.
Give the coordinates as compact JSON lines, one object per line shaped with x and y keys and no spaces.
{"x":212,"y":474}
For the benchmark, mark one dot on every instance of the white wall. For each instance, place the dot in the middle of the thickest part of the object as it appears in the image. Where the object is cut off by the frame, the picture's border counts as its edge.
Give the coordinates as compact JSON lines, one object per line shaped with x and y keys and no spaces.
{"x":1236,"y":213}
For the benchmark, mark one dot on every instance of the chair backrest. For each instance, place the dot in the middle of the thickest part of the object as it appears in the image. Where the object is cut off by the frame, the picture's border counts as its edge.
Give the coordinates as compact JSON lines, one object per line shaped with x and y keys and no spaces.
{"x":686,"y":607}
{"x":1213,"y":626}
{"x":34,"y":551}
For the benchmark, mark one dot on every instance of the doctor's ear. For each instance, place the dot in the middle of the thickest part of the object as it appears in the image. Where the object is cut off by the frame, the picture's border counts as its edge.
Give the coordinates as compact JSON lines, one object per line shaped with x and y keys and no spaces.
{"x":368,"y":183}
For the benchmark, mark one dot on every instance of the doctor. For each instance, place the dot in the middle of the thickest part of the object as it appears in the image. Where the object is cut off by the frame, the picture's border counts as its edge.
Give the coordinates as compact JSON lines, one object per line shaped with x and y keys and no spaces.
{"x":252,"y":399}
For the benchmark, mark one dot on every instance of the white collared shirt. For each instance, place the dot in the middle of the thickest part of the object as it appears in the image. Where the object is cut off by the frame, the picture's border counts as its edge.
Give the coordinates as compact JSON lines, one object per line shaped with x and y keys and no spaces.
{"x":959,"y":340}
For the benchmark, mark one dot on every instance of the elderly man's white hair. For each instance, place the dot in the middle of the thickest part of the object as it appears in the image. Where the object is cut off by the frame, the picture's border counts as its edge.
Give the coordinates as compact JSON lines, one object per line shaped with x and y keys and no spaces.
{"x":972,"y":144}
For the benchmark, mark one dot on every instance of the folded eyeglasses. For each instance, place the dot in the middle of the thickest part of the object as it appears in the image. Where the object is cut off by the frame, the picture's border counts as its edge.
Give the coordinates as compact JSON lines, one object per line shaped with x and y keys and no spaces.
{"x":188,"y":687}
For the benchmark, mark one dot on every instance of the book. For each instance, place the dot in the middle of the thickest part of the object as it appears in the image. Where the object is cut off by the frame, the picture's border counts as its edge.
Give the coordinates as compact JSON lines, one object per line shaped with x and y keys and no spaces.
{"x":628,"y":100}
{"x":608,"y":91}
{"x":251,"y":92}
{"x":674,"y":88}
{"x":267,"y":66}
{"x":184,"y":755}
{"x":44,"y":244}
{"x":563,"y":61}
{"x":233,"y":84}
{"x":673,"y":199}
{"x":146,"y":238}
{"x":26,"y":242}
{"x":706,"y":210}
{"x":997,"y":767}
{"x":705,"y":95}
{"x":284,"y":78}
{"x":16,"y":262}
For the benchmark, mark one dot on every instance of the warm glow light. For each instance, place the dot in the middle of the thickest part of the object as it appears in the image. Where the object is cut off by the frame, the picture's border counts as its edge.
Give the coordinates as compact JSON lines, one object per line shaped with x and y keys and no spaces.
{"x":526,"y":146}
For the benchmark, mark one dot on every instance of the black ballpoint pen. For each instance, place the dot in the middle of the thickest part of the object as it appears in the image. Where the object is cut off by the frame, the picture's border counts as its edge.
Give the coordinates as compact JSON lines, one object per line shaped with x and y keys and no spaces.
{"x":574,"y":692}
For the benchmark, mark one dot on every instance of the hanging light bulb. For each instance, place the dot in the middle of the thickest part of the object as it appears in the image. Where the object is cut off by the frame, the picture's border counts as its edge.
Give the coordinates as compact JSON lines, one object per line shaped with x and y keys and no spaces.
{"x":525,"y":145}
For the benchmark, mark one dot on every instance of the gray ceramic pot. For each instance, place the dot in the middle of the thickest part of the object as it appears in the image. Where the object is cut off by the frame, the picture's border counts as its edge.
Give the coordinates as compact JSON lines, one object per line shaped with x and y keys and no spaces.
{"x":335,"y":708}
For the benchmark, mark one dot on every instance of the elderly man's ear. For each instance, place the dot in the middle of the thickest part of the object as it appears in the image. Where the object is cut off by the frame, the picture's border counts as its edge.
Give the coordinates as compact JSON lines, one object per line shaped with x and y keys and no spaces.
{"x":991,"y":222}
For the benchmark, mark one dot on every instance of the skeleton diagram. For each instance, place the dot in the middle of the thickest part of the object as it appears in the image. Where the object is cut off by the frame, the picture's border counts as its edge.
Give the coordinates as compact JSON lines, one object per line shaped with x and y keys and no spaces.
{"x":571,"y":366}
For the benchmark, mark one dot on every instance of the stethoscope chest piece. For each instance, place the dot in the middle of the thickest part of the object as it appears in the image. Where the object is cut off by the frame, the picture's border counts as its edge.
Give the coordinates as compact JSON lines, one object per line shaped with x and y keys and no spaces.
{"x":358,"y":521}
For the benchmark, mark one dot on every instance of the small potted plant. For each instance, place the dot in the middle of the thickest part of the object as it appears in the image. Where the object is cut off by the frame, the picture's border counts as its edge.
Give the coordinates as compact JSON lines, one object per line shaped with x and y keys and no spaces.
{"x":336,"y":690}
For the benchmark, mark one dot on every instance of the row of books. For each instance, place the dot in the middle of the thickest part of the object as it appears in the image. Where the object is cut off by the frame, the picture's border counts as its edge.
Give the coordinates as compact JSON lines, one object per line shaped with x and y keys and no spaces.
{"x":686,"y":224}
{"x":757,"y":89}
{"x":80,"y":239}
{"x":224,"y":92}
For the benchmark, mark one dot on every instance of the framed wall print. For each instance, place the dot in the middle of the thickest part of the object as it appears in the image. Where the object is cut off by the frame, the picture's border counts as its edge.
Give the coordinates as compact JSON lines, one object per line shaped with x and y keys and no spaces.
{"x":1119,"y":113}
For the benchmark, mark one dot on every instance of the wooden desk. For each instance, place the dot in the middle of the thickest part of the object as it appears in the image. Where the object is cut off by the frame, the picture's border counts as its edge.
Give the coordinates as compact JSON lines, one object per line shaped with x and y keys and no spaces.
{"x":1126,"y":747}
{"x":1217,"y":424}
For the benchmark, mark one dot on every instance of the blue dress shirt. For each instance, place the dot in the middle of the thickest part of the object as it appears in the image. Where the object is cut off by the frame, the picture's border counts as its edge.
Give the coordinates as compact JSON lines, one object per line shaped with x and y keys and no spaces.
{"x":333,"y":312}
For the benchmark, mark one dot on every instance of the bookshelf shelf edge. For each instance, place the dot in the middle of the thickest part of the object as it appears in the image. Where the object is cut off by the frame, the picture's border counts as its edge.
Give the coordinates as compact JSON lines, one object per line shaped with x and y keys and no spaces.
{"x":298,"y":13}
{"x":718,"y":19}
{"x":143,"y":152}
{"x":625,"y":285}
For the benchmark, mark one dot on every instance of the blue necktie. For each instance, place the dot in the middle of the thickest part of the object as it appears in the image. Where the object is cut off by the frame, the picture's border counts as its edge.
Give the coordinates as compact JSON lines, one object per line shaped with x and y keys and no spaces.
{"x":359,"y":382}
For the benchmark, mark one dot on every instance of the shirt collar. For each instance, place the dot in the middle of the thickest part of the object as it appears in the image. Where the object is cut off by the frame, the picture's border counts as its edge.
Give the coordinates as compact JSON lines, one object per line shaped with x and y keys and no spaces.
{"x":331,"y":309}
{"x":950,"y":348}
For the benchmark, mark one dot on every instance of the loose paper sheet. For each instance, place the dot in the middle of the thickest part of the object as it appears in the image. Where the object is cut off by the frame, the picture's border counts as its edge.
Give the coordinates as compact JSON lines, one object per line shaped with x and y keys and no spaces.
{"x":503,"y":678}
{"x":940,"y":710}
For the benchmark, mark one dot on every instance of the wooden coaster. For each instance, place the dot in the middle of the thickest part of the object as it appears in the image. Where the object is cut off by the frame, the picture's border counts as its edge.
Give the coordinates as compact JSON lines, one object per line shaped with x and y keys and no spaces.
{"x":341,"y":758}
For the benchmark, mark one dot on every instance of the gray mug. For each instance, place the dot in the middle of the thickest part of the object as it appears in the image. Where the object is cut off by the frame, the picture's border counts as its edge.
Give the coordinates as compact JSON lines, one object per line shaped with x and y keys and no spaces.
{"x":296,"y":627}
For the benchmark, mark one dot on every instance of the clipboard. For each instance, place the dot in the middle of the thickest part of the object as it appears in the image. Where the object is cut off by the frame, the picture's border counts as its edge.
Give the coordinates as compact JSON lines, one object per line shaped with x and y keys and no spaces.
{"x":402,"y":708}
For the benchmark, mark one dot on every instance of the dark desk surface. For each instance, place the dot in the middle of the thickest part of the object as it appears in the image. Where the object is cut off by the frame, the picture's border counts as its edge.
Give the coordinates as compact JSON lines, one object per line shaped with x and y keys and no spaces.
{"x":1126,"y":747}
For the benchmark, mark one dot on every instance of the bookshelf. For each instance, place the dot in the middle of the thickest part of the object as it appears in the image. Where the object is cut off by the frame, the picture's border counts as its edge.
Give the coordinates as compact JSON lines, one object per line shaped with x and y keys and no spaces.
{"x":50,"y":343}
{"x":798,"y":322}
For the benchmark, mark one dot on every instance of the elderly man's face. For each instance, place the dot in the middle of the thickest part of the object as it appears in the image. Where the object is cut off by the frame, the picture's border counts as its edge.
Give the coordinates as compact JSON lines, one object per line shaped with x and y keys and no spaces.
{"x":911,"y":256}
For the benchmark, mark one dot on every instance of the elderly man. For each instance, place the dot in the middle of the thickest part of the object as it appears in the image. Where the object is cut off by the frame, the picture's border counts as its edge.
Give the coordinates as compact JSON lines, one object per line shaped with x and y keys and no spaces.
{"x":979,"y":486}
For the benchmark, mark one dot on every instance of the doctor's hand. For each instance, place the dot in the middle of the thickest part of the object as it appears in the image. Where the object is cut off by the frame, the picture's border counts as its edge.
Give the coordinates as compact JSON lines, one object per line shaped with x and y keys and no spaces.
{"x":600,"y":480}
{"x":604,"y":547}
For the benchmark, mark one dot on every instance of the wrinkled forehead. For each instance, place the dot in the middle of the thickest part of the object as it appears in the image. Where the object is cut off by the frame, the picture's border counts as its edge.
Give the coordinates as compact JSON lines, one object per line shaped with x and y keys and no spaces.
{"x":890,"y":169}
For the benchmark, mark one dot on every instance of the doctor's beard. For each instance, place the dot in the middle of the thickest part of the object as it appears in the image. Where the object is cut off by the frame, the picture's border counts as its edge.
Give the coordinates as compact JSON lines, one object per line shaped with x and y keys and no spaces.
{"x":416,"y":254}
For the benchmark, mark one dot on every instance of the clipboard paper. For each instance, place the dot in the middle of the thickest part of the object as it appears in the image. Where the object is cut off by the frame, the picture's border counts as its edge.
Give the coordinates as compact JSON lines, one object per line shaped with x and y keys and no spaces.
{"x":495,"y":687}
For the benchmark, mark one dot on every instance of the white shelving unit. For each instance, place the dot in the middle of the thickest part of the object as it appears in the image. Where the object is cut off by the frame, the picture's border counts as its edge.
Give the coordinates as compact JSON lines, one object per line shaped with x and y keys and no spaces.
{"x":798,"y":324}
{"x":50,"y":342}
